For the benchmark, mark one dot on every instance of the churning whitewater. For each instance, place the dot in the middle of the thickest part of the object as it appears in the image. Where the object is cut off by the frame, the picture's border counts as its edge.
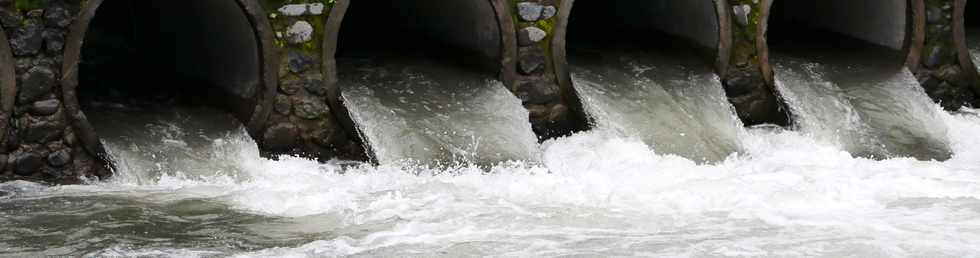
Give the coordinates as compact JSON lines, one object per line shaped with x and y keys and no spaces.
{"x":662,"y":99}
{"x":593,"y":194}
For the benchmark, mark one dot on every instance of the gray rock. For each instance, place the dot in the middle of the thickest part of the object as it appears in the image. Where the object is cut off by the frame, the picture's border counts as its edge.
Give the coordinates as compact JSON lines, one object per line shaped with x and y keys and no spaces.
{"x":37,"y":82}
{"x":281,"y":137}
{"x":314,"y":85}
{"x":60,"y":158}
{"x":934,"y":56}
{"x":3,"y":162}
{"x":299,"y":33}
{"x":36,"y":13}
{"x":742,"y":14}
{"x":531,"y":60}
{"x":934,"y":14}
{"x":45,"y":107}
{"x":291,"y":86}
{"x":283,"y":105}
{"x":27,"y":164}
{"x":299,"y":62}
{"x":42,"y":132}
{"x":57,"y":16}
{"x":529,"y":11}
{"x":27,"y":40}
{"x":530,"y":36}
{"x":537,"y":93}
{"x":311,"y":109}
{"x":10,"y":19}
{"x":548,"y":12}
{"x":54,"y":41}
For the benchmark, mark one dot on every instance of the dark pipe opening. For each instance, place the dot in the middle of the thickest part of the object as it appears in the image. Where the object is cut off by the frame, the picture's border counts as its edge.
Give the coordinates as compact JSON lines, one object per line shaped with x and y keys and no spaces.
{"x":460,"y":33}
{"x":867,"y":30}
{"x":972,"y":22}
{"x":186,"y":52}
{"x":687,"y":29}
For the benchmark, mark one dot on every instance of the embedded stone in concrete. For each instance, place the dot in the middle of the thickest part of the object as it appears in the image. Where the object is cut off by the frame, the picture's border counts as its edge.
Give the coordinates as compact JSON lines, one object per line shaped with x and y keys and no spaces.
{"x":45,"y":107}
{"x":27,"y":164}
{"x":310,"y":109}
{"x":54,"y":41}
{"x":39,"y":80}
{"x":548,"y":11}
{"x":283,"y":105}
{"x":10,"y":18}
{"x":60,"y":158}
{"x":293,"y":10}
{"x":302,"y":9}
{"x":57,"y":16}
{"x":529,"y":11}
{"x":314,"y":85}
{"x":43,"y":132}
{"x":281,"y":136}
{"x":531,"y":60}
{"x":530,"y":36}
{"x":299,"y":62}
{"x":742,"y":14}
{"x":300,"y":32}
{"x":27,"y":40}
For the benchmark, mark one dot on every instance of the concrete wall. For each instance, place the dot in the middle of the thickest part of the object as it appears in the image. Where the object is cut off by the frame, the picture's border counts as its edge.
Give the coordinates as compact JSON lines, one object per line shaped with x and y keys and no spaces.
{"x":881,"y":22}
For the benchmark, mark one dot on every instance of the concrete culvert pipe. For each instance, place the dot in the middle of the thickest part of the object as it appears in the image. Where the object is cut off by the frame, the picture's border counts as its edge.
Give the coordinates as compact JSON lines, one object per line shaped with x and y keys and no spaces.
{"x":845,"y":69}
{"x":422,"y":80}
{"x":213,"y":53}
{"x":967,"y":31}
{"x":649,"y":69}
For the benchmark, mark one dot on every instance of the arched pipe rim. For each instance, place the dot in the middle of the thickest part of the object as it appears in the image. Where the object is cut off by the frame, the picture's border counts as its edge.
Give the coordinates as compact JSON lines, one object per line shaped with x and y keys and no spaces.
{"x":8,"y":86}
{"x":913,"y":44}
{"x":76,"y":38}
{"x":508,"y":55}
{"x":560,"y":54}
{"x":959,"y":40}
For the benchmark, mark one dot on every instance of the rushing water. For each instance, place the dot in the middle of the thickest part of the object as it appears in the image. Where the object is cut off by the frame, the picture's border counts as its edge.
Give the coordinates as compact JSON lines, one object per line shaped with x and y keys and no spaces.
{"x":429,"y":111}
{"x":665,"y":98}
{"x":862,"y":102}
{"x":189,"y":187}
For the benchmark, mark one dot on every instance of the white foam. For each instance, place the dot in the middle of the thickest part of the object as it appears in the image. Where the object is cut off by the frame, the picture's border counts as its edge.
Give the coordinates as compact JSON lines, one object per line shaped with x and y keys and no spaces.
{"x":599,"y":194}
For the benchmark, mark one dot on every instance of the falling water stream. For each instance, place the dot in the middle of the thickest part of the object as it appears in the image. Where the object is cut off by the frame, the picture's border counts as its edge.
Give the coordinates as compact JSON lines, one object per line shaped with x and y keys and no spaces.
{"x":664,"y":97}
{"x":190,"y":183}
{"x":417,"y":109}
{"x":863,"y":101}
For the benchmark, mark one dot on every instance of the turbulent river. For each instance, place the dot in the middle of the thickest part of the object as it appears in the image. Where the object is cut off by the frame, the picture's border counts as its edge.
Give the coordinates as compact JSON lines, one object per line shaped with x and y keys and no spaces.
{"x":188,"y":190}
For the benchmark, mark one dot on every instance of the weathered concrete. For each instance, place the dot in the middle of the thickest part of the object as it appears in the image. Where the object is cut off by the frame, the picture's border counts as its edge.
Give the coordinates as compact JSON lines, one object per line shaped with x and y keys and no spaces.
{"x":748,"y":79}
{"x":966,"y":14}
{"x":542,"y":82}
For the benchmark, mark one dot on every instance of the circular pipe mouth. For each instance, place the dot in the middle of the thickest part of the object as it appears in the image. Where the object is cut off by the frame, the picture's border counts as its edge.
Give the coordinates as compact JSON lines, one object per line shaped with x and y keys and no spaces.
{"x":683,"y":20}
{"x":966,"y":31}
{"x":8,"y":86}
{"x":481,"y":28}
{"x":251,"y":85}
{"x":844,"y":25}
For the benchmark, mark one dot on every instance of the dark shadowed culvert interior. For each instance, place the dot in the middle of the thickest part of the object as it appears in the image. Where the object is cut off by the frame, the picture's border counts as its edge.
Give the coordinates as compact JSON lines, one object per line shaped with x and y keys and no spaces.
{"x":420,"y":81}
{"x":840,"y":65}
{"x":972,"y":29}
{"x":163,"y":63}
{"x":647,"y":69}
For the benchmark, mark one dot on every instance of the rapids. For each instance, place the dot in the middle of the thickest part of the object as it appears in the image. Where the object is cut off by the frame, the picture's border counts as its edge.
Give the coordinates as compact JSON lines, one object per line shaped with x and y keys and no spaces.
{"x":592,"y":194}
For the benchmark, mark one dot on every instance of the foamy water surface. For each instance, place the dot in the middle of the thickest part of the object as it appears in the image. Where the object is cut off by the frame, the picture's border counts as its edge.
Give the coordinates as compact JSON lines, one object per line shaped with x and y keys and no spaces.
{"x":593,"y":194}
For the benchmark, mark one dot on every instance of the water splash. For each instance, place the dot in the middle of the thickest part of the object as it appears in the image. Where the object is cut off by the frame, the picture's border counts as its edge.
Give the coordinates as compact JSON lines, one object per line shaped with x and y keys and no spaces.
{"x":677,"y":108}
{"x":870,"y":110}
{"x":424,"y":112}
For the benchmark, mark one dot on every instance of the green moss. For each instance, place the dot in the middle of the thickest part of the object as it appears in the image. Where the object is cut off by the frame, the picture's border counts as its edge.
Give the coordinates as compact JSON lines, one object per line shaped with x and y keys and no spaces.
{"x":27,"y":5}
